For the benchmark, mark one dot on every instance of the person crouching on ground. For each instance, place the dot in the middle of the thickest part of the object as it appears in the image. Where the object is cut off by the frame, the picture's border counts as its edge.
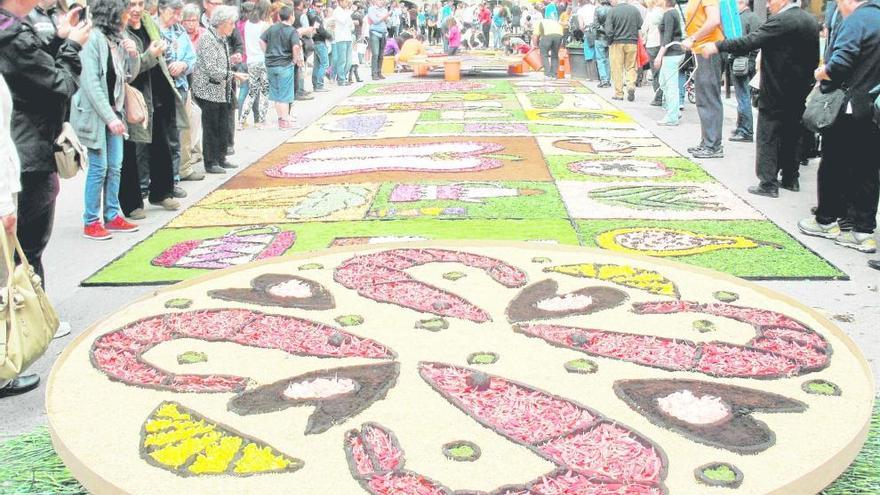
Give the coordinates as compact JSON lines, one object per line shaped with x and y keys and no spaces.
{"x":108,"y":62}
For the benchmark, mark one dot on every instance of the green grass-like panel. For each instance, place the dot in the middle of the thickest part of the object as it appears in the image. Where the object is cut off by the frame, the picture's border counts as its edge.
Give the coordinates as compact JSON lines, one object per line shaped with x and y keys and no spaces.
{"x":793,"y":261}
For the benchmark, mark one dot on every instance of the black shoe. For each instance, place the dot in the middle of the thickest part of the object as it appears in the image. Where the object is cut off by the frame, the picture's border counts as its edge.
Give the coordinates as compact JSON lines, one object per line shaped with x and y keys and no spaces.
{"x":178,"y":192}
{"x":656,"y":103}
{"x":694,"y":149}
{"x":709,"y":153}
{"x":631,"y":94}
{"x":302,"y":97}
{"x":791,"y":185}
{"x":230,"y":151}
{"x":214,"y":169}
{"x":739,"y":138}
{"x":813,"y":210}
{"x":381,"y":76}
{"x":375,"y":77}
{"x":228,"y":165}
{"x":617,"y":98}
{"x":760,"y":191}
{"x":875,"y":264}
{"x":20,"y":385}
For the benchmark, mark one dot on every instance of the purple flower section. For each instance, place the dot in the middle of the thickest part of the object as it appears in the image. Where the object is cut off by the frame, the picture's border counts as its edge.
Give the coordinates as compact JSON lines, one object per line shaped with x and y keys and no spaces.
{"x":502,"y":128}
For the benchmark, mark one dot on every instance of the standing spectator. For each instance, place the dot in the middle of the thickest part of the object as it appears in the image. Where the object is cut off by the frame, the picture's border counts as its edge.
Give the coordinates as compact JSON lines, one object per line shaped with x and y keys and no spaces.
{"x":301,"y":24}
{"x":282,"y":46}
{"x":848,"y":184}
{"x":236,"y":57}
{"x":394,"y":20}
{"x":622,"y":32}
{"x":744,"y":121}
{"x":484,"y":17}
{"x":586,"y":15}
{"x":257,"y":83}
{"x":158,"y":141}
{"x":191,"y":140}
{"x":433,"y":15}
{"x":651,"y":35}
{"x":601,"y":43}
{"x":212,"y":85}
{"x":377,"y":15}
{"x":343,"y":34}
{"x":497,"y":27}
{"x":453,"y":35}
{"x":445,"y":13}
{"x":548,"y":38}
{"x":108,"y":62}
{"x":789,"y":44}
{"x":42,"y":78}
{"x":321,"y":60}
{"x":669,"y":59}
{"x":703,"y":26}
{"x":515,"y":18}
{"x":422,"y":21}
{"x":43,"y":17}
{"x":180,"y":57}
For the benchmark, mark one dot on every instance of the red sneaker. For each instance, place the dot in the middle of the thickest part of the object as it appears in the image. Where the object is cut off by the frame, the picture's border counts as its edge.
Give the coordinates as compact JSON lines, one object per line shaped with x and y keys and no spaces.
{"x":120,"y":224}
{"x":96,"y":231}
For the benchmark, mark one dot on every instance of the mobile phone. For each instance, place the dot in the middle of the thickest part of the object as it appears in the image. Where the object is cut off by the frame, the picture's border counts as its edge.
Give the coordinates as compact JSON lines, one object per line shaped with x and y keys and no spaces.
{"x":84,"y":14}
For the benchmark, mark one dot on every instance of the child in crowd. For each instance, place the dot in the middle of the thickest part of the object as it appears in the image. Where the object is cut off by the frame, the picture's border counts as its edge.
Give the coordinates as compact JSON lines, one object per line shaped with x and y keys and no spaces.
{"x":453,"y":37}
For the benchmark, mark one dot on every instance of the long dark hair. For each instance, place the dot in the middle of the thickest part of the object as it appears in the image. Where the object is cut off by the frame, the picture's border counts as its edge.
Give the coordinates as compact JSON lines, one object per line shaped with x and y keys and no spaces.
{"x":107,"y":16}
{"x":260,"y":12}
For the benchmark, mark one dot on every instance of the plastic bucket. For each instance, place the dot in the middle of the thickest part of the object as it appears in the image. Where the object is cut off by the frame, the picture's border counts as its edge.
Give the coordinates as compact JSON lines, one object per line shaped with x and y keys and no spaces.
{"x":420,"y":70}
{"x":388,"y":65}
{"x":452,"y":70}
{"x":533,"y":58}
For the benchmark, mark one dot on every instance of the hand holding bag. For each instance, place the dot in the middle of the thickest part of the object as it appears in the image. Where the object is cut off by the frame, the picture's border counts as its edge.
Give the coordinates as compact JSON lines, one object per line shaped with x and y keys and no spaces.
{"x":29,"y":321}
{"x":70,"y":154}
{"x":823,"y":109}
{"x":136,"y":107}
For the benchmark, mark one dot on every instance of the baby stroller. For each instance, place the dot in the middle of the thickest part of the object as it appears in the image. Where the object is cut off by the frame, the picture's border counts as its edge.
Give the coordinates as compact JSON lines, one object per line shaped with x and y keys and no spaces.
{"x":687,"y":68}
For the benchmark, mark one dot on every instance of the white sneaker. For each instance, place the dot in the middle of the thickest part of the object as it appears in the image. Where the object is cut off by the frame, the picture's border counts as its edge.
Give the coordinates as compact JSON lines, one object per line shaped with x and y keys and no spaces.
{"x":811,"y":227}
{"x":858,"y":241}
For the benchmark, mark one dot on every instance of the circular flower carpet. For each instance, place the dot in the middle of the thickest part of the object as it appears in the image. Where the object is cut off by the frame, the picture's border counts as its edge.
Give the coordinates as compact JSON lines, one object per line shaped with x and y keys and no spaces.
{"x":485,"y":368}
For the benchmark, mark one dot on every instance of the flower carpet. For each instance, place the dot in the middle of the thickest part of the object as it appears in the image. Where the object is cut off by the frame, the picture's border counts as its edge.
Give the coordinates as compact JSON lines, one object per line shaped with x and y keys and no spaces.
{"x":493,"y":159}
{"x":457,"y":367}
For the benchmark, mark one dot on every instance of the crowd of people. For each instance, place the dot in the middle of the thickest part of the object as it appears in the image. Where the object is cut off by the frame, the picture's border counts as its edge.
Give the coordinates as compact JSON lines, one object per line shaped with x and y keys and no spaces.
{"x":153,"y":88}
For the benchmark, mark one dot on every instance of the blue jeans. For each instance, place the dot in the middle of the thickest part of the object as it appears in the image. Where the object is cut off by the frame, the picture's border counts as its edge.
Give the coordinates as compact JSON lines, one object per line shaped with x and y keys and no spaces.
{"x":341,"y":60}
{"x":744,"y":123}
{"x":497,"y":35}
{"x":102,"y":179}
{"x":669,"y":80}
{"x":602,"y":62}
{"x":320,"y":65}
{"x":377,"y":53}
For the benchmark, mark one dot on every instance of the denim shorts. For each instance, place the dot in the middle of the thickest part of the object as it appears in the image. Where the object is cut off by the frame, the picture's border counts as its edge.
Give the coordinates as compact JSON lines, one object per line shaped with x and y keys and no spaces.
{"x":281,"y":83}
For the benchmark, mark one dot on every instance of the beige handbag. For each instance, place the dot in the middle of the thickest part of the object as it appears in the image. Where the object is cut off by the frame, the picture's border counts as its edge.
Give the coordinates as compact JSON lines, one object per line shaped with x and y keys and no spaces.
{"x":70,"y":154}
{"x":135,"y":107}
{"x":29,"y":320}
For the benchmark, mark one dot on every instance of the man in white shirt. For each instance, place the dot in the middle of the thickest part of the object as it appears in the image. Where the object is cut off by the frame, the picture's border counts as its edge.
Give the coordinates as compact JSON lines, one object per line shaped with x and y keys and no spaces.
{"x":586,"y":14}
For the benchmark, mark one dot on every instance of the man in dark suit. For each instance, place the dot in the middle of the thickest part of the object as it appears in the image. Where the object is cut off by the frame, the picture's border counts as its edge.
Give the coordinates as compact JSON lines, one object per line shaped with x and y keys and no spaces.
{"x":789,"y":44}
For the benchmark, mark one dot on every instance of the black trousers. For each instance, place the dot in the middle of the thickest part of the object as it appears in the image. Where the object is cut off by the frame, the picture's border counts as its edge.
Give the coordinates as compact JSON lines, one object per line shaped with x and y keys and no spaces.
{"x":161,"y":151}
{"x":848,"y":180}
{"x":549,"y":45}
{"x":36,"y":214}
{"x":299,"y":80}
{"x":130,"y":197}
{"x":215,"y":118}
{"x":485,"y":28}
{"x":776,"y":143}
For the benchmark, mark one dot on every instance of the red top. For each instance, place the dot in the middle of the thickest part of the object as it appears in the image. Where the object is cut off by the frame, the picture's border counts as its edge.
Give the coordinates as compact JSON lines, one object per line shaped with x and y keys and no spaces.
{"x":484,"y":16}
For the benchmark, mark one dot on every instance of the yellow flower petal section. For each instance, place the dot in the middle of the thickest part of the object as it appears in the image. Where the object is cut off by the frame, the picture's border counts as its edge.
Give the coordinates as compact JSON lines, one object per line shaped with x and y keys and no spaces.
{"x":258,"y":460}
{"x":624,"y":275}
{"x":662,"y":242}
{"x":217,"y":456}
{"x":185,"y":443}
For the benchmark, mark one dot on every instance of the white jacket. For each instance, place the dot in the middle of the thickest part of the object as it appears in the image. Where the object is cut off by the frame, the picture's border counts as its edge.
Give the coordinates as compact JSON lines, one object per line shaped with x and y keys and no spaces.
{"x":10,"y":166}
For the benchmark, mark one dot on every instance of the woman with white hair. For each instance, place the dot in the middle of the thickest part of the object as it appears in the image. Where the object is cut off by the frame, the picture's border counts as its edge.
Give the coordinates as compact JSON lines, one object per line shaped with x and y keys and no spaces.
{"x":213,"y":86}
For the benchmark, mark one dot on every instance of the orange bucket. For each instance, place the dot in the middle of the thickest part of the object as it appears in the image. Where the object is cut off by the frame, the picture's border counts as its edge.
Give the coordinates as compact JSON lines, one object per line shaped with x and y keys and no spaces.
{"x":388,"y":65}
{"x":515,"y":69}
{"x":452,"y":70}
{"x":533,"y":58}
{"x":420,"y":70}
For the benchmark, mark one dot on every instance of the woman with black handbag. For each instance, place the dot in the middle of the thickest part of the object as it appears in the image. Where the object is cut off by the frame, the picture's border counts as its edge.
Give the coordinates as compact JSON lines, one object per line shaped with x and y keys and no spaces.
{"x":848,"y":182}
